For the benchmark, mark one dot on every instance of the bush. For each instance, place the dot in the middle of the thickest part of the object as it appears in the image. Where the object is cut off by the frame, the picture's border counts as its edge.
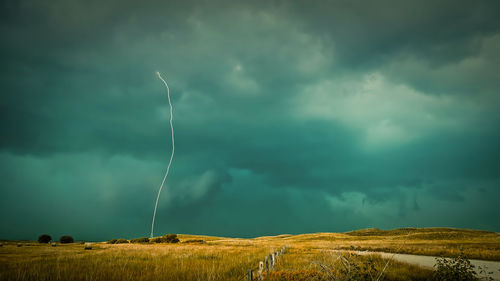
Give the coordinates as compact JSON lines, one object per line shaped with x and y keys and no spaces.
{"x":454,"y":269}
{"x":140,"y":240}
{"x":157,"y":240}
{"x":66,"y":239}
{"x":171,"y":238}
{"x":112,"y":241}
{"x":168,"y":238}
{"x":44,"y":238}
{"x":121,"y":241}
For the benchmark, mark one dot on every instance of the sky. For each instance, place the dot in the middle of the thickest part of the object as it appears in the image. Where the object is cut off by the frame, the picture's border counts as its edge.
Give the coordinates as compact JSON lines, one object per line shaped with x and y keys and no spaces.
{"x":289,"y":116}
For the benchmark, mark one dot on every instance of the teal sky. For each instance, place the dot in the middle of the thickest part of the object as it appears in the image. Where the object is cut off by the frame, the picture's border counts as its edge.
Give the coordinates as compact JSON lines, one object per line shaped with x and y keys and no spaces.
{"x":290,"y":116}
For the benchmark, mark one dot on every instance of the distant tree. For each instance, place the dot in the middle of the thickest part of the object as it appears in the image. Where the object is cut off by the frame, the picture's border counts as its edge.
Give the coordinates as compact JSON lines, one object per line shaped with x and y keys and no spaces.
{"x":66,"y":239}
{"x":44,"y":238}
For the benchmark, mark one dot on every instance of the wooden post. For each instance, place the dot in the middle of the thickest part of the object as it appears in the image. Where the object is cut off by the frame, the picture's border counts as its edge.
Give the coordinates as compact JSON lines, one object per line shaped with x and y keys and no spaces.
{"x":250,"y":277}
{"x":273,"y":260}
{"x":261,"y":270}
{"x":266,"y":263}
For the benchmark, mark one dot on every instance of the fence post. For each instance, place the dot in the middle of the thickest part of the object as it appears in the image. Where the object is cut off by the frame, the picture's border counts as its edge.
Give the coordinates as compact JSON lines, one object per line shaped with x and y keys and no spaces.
{"x":261,"y":269}
{"x":266,"y":261}
{"x":250,"y":277}
{"x":273,"y":257}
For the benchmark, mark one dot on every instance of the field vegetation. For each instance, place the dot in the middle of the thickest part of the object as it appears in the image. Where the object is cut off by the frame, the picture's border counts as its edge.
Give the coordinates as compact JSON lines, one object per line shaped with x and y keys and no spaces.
{"x":308,"y":256}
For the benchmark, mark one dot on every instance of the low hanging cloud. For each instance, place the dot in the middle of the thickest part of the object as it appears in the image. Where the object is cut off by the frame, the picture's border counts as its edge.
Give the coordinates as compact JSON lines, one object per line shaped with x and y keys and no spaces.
{"x":387,"y":114}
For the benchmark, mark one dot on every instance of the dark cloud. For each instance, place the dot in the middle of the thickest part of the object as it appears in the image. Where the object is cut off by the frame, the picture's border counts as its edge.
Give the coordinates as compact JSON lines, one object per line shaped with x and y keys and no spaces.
{"x":438,"y":32}
{"x":289,"y":116}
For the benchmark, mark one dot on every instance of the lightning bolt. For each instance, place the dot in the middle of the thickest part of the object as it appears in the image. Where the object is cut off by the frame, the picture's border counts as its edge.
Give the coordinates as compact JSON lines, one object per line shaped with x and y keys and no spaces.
{"x":171,"y":156}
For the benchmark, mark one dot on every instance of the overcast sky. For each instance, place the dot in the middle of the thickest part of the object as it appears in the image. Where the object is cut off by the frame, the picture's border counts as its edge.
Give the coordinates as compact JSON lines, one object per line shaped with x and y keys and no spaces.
{"x":290,"y":117}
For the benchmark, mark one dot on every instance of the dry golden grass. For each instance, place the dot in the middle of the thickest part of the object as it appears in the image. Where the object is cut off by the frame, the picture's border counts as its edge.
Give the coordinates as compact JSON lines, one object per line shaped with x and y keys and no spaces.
{"x":325,"y":265}
{"x":230,"y":258}
{"x":128,"y":262}
{"x":445,"y":242}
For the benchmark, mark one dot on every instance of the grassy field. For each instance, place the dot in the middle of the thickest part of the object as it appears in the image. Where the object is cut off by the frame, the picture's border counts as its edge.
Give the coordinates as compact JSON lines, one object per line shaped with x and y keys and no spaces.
{"x":308,"y":256}
{"x":446,"y":242}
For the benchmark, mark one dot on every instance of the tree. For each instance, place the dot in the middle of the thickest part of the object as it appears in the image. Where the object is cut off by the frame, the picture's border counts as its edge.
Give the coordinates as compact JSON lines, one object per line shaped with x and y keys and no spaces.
{"x":66,"y":239}
{"x":44,"y":238}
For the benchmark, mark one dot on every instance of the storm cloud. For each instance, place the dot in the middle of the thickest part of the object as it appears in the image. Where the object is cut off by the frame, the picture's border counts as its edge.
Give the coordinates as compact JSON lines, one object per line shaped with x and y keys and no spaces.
{"x":290,"y":116}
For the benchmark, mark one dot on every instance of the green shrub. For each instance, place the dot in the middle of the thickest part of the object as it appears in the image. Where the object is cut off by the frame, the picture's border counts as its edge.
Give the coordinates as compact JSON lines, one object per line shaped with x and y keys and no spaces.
{"x":66,"y":239}
{"x":140,"y":240}
{"x":44,"y":238}
{"x":157,"y":240}
{"x":118,"y":241}
{"x":455,"y":269}
{"x":167,"y":238}
{"x":121,"y":241}
{"x":171,"y":238}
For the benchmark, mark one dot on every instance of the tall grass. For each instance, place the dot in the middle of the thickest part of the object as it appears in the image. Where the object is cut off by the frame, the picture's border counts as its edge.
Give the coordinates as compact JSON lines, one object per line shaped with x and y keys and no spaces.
{"x":129,"y":262}
{"x":302,"y":263}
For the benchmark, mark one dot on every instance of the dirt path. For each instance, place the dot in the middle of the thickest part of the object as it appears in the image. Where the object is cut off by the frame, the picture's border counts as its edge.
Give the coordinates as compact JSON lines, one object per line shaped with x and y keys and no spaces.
{"x":429,"y":261}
